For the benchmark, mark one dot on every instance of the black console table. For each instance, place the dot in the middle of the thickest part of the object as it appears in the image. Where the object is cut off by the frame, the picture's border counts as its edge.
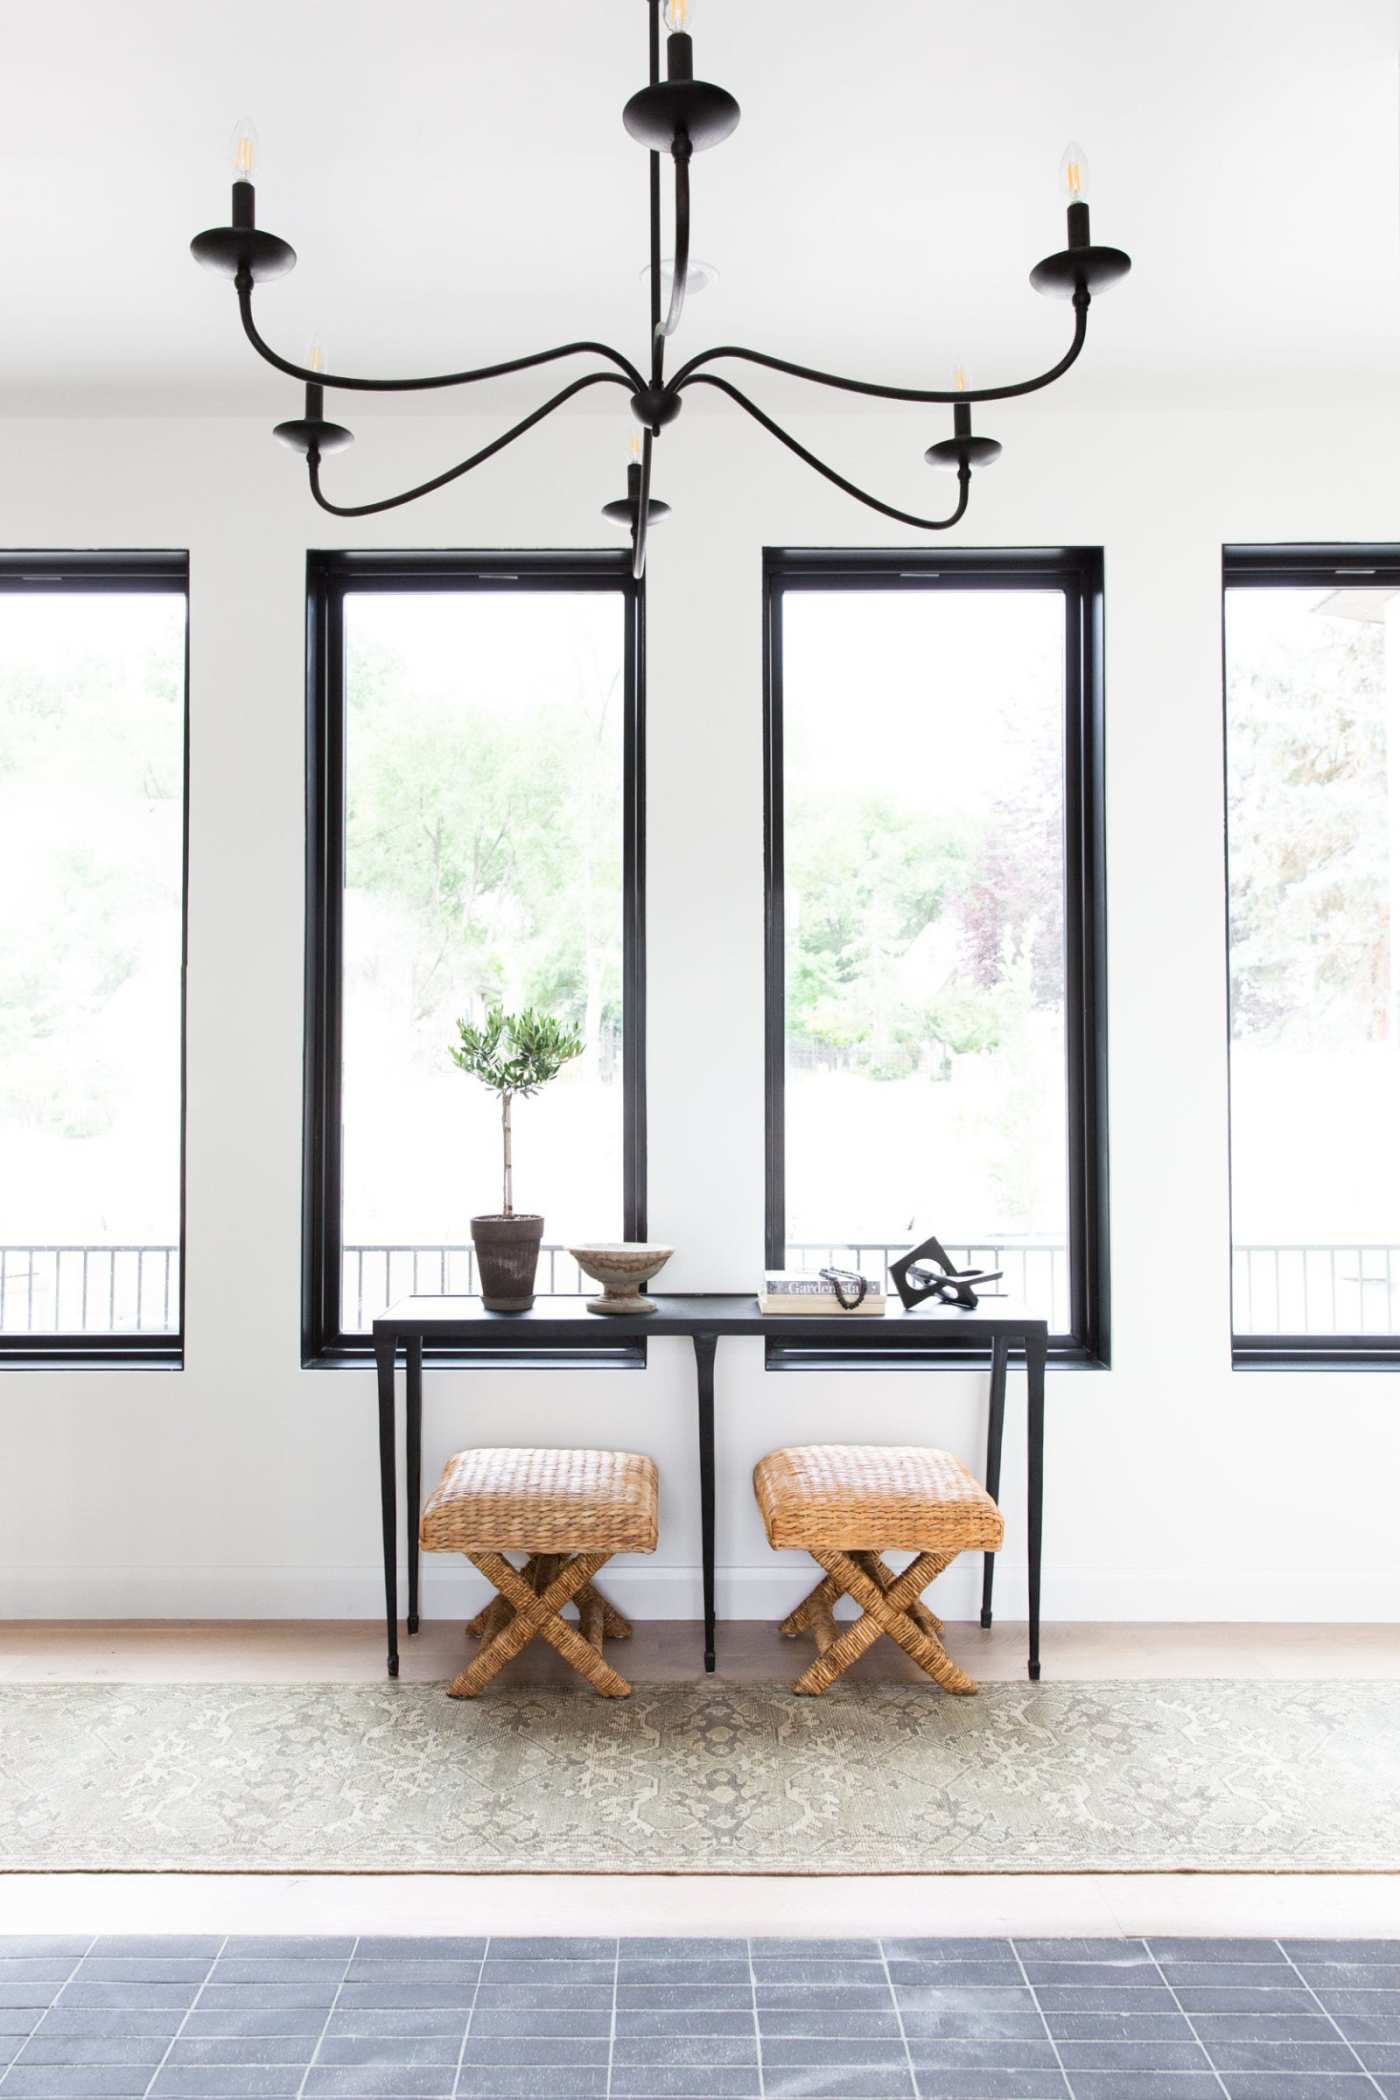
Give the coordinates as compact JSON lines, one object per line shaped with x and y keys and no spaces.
{"x":411,"y":1322}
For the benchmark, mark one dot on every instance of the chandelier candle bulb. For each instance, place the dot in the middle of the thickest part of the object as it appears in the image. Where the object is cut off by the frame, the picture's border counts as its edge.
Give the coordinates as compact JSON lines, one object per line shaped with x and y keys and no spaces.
{"x":1074,"y":173}
{"x":962,"y":451}
{"x":244,"y":156}
{"x":1074,"y":182}
{"x":315,"y":390}
{"x":239,"y":250}
{"x":962,"y":410}
{"x":627,"y":510}
{"x":244,"y":150}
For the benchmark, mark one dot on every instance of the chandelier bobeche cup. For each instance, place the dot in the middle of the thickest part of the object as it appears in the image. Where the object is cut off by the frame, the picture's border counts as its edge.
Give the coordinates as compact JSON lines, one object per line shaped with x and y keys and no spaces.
{"x":677,"y":116}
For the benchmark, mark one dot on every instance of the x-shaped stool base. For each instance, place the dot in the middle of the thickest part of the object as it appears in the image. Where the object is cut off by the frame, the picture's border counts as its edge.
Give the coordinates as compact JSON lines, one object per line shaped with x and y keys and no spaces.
{"x":889,"y":1604}
{"x":520,"y":1611}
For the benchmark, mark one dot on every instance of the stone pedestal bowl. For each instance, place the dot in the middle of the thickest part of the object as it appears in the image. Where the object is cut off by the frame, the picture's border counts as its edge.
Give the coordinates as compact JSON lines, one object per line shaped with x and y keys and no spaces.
{"x":622,"y":1267}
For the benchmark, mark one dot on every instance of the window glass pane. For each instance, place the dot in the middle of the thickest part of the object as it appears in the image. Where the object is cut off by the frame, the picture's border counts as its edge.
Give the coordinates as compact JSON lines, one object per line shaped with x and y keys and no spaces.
{"x":926,"y":1089}
{"x":1313,"y":735}
{"x":92,"y":743}
{"x":484,"y":862}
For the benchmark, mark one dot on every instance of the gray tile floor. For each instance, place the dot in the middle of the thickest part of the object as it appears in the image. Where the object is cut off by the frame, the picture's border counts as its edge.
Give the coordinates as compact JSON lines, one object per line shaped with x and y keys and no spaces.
{"x":603,"y":2019}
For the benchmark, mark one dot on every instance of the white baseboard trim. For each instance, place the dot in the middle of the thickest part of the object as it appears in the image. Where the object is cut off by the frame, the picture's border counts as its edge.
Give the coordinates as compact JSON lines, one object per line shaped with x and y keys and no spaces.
{"x":646,"y":1590}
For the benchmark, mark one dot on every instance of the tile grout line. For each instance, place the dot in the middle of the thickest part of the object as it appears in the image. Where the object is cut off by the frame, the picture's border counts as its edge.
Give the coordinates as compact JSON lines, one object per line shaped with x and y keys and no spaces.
{"x":1370,"y":2076}
{"x":612,"y":2018}
{"x":1044,"y":2021}
{"x":78,"y":1961}
{"x":1210,"y":2060}
{"x":330,"y":2015}
{"x":471,"y":2013}
{"x":899,"y":2016}
{"x":188,"y":2015}
{"x":757,"y":2030}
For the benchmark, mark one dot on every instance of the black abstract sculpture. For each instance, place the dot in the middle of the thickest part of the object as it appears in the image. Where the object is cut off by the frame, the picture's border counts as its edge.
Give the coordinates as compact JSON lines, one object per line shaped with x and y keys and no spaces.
{"x":926,"y":1271}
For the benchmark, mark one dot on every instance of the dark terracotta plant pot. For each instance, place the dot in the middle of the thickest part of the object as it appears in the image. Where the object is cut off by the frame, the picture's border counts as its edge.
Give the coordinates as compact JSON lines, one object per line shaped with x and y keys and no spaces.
{"x":507,"y":1255}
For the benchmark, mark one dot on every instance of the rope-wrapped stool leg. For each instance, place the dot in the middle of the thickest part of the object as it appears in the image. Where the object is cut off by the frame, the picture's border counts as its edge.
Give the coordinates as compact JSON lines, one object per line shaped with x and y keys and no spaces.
{"x":499,"y":1612}
{"x":832,"y":1662}
{"x":820,"y":1599}
{"x":805,"y":1618}
{"x":919,"y":1612}
{"x":885,"y":1612}
{"x":539,"y":1571}
{"x":538,"y":1613}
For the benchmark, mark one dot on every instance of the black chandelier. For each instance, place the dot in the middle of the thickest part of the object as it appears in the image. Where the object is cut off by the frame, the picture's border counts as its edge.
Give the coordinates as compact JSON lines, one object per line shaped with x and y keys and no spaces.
{"x":677,"y":116}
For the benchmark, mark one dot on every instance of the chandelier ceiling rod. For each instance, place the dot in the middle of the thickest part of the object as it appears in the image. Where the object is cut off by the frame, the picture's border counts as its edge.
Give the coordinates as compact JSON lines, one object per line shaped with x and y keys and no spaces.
{"x":678,"y":115}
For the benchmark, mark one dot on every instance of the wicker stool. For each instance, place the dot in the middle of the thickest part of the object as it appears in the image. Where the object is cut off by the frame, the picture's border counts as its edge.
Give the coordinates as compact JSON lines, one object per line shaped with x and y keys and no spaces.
{"x":569,"y":1511}
{"x":846,"y":1503}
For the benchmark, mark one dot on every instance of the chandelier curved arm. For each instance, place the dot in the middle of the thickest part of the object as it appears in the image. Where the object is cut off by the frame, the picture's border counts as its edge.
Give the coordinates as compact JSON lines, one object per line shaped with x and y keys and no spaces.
{"x":887,"y":510}
{"x":680,"y":268}
{"x":626,"y":368}
{"x":438,"y":481}
{"x":902,"y":393}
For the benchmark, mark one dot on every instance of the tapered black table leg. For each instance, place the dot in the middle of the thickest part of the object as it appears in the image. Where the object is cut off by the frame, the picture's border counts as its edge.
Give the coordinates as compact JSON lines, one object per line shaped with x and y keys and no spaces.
{"x":1035,"y":1482}
{"x":705,"y":1403}
{"x":384,"y":1351}
{"x":996,"y":1425}
{"x":413,"y":1351}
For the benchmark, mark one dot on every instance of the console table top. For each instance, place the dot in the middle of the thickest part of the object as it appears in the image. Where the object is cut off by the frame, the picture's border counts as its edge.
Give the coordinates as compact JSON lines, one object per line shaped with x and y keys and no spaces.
{"x":709,"y":1312}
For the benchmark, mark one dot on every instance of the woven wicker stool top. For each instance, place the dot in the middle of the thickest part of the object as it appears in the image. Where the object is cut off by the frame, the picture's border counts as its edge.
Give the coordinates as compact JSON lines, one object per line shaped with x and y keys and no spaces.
{"x":845,"y":1496}
{"x":542,"y":1502}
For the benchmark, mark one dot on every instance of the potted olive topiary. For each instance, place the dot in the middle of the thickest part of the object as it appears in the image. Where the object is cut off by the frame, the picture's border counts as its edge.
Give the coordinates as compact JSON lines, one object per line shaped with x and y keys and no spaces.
{"x":511,"y":1054}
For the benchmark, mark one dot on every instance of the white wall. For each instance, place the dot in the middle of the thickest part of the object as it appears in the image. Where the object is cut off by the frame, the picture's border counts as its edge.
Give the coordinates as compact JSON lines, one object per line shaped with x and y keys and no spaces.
{"x":247,"y":1486}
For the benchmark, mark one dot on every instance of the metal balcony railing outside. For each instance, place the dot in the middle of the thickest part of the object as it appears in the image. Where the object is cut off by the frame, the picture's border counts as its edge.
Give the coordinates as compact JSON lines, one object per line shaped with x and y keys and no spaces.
{"x":128,"y":1288}
{"x":125,"y":1289}
{"x":1296,"y":1288}
{"x":373,"y":1277}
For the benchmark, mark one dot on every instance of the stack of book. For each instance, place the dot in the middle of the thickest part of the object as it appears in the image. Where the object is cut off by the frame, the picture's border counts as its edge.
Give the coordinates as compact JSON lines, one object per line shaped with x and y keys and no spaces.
{"x":802,"y":1293}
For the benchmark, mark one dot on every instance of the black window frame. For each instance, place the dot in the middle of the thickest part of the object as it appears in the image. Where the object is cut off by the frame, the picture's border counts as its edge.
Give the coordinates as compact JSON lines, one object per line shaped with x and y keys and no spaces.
{"x":330,"y":576}
{"x":51,"y":572}
{"x":1079,"y":573}
{"x":1289,"y":565}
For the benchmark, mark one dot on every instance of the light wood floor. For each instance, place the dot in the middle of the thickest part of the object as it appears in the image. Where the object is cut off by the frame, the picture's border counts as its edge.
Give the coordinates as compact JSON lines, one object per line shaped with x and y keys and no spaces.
{"x":749,"y":1651}
{"x":1039,"y":1904}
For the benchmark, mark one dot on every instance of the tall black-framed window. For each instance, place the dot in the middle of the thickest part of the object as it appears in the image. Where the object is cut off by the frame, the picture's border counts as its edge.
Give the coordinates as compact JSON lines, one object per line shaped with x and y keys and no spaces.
{"x":93,"y":835}
{"x":1312,"y":794}
{"x":935,"y":1020}
{"x":475,"y":835}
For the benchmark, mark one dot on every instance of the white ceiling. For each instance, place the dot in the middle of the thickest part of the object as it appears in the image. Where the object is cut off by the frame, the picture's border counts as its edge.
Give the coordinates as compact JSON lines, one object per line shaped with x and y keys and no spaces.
{"x":457,"y":182}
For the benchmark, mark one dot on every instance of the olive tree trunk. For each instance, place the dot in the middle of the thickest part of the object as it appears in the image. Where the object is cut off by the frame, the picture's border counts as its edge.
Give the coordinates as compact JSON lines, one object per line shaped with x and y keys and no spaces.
{"x":507,"y":1206}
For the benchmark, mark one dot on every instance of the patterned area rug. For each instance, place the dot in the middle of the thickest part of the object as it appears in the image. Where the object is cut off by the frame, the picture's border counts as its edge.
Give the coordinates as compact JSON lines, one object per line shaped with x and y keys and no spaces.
{"x":701,"y":1779}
